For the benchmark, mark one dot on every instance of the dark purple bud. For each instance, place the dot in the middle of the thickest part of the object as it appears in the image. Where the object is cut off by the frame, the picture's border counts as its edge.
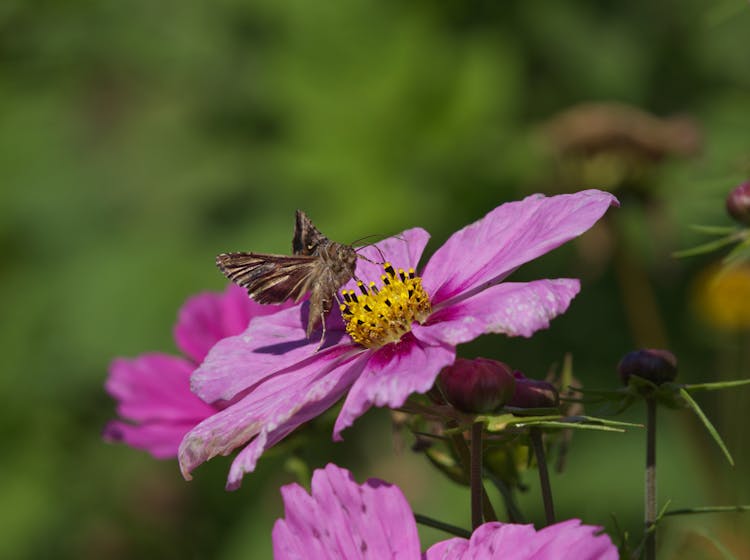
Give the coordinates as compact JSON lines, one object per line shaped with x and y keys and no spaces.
{"x":657,"y":366}
{"x":531,"y":393}
{"x":738,"y":203}
{"x":477,"y":386}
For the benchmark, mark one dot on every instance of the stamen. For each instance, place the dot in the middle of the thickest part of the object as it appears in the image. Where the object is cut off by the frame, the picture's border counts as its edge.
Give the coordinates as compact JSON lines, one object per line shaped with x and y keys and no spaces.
{"x":383,"y":315}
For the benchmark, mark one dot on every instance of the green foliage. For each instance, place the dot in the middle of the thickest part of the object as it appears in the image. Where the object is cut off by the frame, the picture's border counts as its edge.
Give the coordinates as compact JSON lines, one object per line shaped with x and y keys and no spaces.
{"x":138,"y":139}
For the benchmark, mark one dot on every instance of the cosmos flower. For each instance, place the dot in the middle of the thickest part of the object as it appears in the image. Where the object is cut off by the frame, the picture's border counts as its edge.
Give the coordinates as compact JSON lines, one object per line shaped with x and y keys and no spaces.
{"x":153,"y":390}
{"x":342,"y":519}
{"x":395,"y":332}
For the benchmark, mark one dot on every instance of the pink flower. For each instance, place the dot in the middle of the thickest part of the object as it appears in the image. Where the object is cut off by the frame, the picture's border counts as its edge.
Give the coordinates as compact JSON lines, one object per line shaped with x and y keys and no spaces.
{"x":342,"y":519}
{"x":153,"y":390}
{"x":389,"y":342}
{"x":567,"y":540}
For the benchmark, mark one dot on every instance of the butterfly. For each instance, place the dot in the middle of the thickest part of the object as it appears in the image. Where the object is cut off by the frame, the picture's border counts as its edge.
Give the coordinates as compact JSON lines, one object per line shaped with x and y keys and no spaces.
{"x":319,"y":266}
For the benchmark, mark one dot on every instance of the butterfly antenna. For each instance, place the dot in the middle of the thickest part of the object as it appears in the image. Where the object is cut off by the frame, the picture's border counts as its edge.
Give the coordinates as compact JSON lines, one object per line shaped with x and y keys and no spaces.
{"x":380,"y":252}
{"x":365,"y":237}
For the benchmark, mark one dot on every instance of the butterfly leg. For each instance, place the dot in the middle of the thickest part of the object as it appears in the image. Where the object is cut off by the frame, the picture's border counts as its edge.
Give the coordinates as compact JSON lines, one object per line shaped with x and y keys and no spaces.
{"x":322,"y":332}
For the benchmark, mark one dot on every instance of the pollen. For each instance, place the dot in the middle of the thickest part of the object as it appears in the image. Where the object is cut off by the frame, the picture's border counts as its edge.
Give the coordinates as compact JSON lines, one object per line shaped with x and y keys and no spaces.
{"x":377,"y":316}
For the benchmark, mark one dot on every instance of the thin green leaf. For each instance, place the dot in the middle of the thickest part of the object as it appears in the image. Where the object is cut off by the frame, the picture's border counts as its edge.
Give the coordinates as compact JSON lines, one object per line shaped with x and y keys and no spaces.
{"x":498,"y":423}
{"x":575,"y":426}
{"x":608,"y":422}
{"x":707,"y":423}
{"x":720,"y":547}
{"x":713,"y":230}
{"x":717,"y":385}
{"x":705,"y":248}
{"x":708,"y":509}
{"x":531,"y":412}
{"x":738,"y":254}
{"x":503,"y":421}
{"x":662,"y":513}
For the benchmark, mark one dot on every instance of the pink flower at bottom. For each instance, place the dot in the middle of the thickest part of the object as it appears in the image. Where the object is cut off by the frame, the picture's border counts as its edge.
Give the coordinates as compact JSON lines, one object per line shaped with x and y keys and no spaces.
{"x":153,"y":390}
{"x":395,"y":333}
{"x":341,"y":519}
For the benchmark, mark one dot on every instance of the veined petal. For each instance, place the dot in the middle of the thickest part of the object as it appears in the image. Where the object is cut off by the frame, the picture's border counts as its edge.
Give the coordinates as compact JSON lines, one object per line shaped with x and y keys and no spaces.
{"x":270,"y":344}
{"x":568,"y":540}
{"x":155,"y":387}
{"x":392,"y":373}
{"x":206,"y":318}
{"x":402,"y":251}
{"x":342,"y":519}
{"x":511,"y":308}
{"x":485,"y":252}
{"x":268,"y":407}
{"x":332,"y":387}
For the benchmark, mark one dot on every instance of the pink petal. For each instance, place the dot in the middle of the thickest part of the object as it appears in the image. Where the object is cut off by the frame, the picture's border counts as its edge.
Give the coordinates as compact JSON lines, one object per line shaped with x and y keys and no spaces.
{"x":568,"y":540}
{"x":485,"y":252}
{"x":160,"y":439}
{"x":514,"y":309}
{"x":345,"y":520}
{"x":206,"y":318}
{"x":155,"y":387}
{"x":305,"y":389}
{"x":270,"y":344}
{"x":153,"y":394}
{"x":491,"y":540}
{"x":392,"y":373}
{"x":337,"y":383}
{"x":402,"y":251}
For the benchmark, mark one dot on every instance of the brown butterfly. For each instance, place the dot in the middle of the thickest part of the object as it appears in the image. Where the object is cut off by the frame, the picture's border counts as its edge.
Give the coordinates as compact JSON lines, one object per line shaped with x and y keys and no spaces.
{"x":319,"y":266}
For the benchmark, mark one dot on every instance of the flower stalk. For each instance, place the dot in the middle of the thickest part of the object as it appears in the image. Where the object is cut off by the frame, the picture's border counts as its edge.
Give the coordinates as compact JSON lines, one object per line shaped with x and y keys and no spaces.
{"x":650,"y":507}
{"x":538,"y":445}
{"x":475,"y":474}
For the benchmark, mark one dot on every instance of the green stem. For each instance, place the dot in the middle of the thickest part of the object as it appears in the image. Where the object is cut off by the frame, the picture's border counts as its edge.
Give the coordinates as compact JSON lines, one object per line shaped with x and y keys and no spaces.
{"x":511,"y":507}
{"x":650,"y":508}
{"x":464,"y":455}
{"x":475,"y":475}
{"x":537,"y":444}
{"x":435,"y":524}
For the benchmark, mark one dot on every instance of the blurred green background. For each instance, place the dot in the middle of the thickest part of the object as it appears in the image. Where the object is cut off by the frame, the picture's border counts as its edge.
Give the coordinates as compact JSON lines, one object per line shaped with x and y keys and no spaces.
{"x":138,"y":139}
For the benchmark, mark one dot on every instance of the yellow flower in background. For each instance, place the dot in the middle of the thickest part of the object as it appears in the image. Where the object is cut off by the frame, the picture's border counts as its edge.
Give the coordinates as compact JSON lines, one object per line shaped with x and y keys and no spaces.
{"x":722,"y":295}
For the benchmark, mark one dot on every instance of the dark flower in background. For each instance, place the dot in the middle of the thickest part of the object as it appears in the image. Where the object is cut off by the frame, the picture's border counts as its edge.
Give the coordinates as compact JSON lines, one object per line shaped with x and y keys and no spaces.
{"x":477,"y":386}
{"x":657,"y":366}
{"x":531,"y":393}
{"x":738,"y":203}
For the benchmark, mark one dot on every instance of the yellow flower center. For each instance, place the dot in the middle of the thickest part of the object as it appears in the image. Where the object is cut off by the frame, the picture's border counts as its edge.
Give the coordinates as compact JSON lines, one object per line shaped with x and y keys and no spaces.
{"x":377,"y":317}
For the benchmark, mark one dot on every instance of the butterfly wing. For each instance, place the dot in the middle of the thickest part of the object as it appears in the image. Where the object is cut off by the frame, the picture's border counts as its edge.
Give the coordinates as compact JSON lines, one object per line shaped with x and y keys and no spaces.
{"x":307,"y":238}
{"x":269,"y":278}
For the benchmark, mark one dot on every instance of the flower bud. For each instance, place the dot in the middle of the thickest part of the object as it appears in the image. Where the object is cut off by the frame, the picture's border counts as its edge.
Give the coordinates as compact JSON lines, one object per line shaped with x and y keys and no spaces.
{"x":477,"y":386}
{"x":531,"y":393}
{"x":738,"y":203}
{"x":657,"y":366}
